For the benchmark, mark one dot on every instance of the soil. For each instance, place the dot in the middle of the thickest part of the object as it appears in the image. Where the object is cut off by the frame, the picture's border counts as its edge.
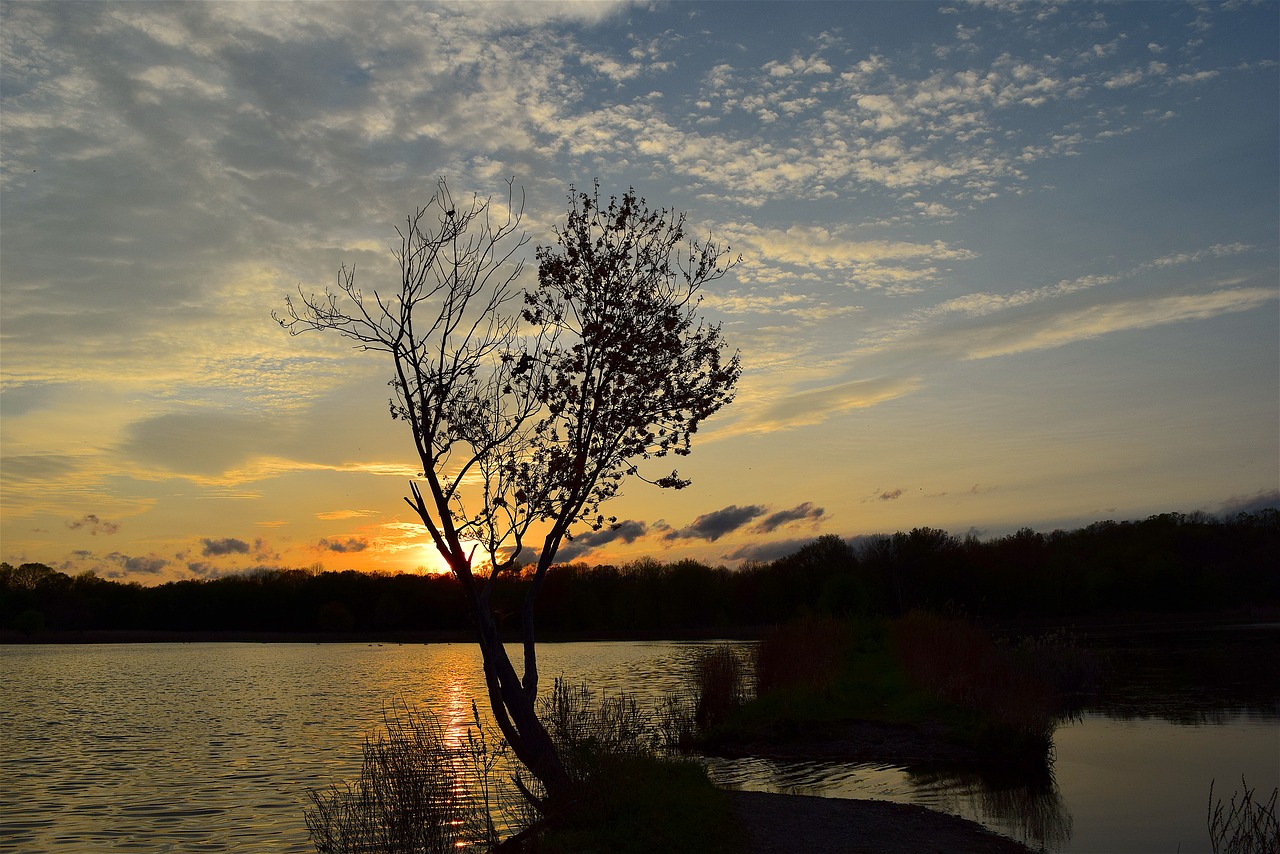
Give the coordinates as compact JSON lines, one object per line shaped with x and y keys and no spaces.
{"x":800,"y":824}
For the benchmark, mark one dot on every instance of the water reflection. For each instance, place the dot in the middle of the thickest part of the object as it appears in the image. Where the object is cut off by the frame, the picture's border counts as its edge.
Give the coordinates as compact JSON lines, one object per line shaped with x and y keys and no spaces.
{"x":1131,"y":771}
{"x":1026,"y":803}
{"x":211,"y":747}
{"x":1025,"y":806}
{"x":1192,"y":677}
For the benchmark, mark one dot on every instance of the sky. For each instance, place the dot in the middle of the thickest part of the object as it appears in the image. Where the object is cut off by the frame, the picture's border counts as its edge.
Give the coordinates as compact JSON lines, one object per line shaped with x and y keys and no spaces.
{"x":1004,"y":264}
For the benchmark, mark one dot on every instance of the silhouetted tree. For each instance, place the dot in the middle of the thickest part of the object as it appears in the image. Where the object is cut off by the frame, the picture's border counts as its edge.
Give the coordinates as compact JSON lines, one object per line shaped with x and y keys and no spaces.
{"x":546,"y":409}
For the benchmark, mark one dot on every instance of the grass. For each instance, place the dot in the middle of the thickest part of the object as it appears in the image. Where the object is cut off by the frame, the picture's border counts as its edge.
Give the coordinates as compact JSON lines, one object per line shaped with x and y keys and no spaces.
{"x":629,"y":795}
{"x":640,"y":804}
{"x":418,"y":793}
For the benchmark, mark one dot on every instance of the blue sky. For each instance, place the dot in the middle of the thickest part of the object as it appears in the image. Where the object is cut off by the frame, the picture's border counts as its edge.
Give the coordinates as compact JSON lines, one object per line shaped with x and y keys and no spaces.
{"x":1004,"y":264}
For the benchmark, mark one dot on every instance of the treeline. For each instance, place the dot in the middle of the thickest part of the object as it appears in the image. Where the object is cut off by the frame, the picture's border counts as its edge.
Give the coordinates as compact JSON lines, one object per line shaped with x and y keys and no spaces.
{"x":1167,"y":563}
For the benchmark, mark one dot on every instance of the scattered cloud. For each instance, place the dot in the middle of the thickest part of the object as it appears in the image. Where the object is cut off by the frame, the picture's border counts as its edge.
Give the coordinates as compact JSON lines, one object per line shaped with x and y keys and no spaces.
{"x":627,"y":531}
{"x":94,"y":525}
{"x":714,"y":525}
{"x":223,"y":546}
{"x":767,"y":551}
{"x":350,"y":544}
{"x":805,"y":512}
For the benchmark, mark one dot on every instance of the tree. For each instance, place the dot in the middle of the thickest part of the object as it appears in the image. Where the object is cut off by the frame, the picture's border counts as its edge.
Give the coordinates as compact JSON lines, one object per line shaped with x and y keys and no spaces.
{"x":529,"y":415}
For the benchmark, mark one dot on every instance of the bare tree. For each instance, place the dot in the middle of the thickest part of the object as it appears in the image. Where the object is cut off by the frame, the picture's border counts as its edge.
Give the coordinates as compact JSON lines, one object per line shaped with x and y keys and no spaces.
{"x":533,"y":414}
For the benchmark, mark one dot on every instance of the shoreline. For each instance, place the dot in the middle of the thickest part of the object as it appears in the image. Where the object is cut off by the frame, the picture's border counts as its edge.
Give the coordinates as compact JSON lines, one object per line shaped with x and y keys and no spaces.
{"x":776,"y":823}
{"x":120,"y":636}
{"x":1087,"y":625}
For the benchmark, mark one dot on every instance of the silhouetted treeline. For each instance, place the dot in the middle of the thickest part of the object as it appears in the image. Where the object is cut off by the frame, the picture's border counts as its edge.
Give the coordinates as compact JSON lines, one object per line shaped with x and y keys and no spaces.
{"x":1167,"y":563}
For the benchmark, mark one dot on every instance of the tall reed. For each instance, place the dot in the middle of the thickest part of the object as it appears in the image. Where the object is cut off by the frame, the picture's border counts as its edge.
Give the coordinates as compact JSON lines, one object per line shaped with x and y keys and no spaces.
{"x":587,"y":728}
{"x":806,"y":654}
{"x":409,"y":797}
{"x":960,"y":662}
{"x":1244,"y":827}
{"x":720,"y":685}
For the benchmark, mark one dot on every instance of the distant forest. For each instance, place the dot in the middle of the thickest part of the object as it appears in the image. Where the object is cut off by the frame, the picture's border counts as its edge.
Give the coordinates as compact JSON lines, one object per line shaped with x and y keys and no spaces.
{"x":1171,"y":563}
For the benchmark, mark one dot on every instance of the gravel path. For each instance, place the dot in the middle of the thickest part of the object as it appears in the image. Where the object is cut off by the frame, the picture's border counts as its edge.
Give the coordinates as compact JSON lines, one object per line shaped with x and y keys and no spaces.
{"x":800,"y":824}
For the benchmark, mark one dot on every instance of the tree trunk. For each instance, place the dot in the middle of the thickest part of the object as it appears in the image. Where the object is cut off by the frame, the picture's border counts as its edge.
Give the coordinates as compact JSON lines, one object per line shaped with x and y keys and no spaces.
{"x":514,"y":709}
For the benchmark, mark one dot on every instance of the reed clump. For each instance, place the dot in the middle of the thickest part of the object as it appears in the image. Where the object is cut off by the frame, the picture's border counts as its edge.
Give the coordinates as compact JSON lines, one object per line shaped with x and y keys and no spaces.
{"x":961,"y":663}
{"x":409,"y":797}
{"x":1244,"y":826}
{"x":1060,"y":658}
{"x":587,"y":728}
{"x":807,"y":654}
{"x":720,"y":680}
{"x":716,"y":685}
{"x":422,"y":792}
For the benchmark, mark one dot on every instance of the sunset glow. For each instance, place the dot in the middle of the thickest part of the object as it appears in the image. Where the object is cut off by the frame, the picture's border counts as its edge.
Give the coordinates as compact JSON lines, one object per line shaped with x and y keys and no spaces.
{"x":1003,"y":264}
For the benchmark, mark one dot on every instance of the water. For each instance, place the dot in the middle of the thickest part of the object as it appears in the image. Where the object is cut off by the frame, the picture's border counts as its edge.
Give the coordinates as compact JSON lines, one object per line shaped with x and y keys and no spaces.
{"x":1131,"y":774}
{"x":212,"y":747}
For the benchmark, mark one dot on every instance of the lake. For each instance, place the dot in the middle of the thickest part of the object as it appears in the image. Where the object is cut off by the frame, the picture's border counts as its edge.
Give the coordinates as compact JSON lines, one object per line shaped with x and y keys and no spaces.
{"x":212,"y":747}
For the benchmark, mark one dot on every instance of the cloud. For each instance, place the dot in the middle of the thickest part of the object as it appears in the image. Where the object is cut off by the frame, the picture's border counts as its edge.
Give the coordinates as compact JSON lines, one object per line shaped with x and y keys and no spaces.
{"x":801,"y":512}
{"x":142,"y":565}
{"x":890,"y":494}
{"x":201,"y":443}
{"x":350,"y":544}
{"x":714,"y":525}
{"x":223,"y":546}
{"x":39,"y":468}
{"x":982,"y":324}
{"x":1263,"y":499}
{"x":1069,"y":326}
{"x":864,"y":262}
{"x":816,"y":405}
{"x":93,"y":524}
{"x":336,"y":515}
{"x":769,"y":551}
{"x":627,"y":531}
